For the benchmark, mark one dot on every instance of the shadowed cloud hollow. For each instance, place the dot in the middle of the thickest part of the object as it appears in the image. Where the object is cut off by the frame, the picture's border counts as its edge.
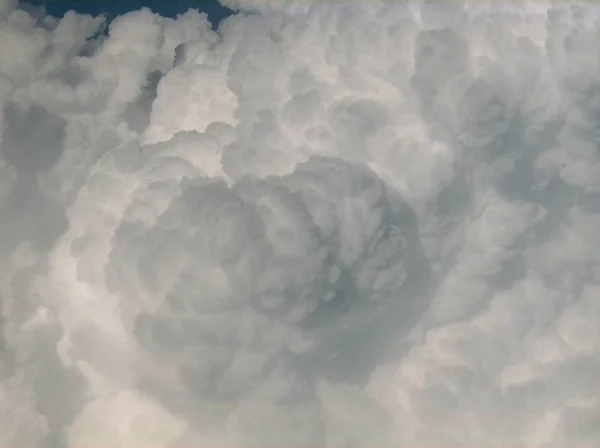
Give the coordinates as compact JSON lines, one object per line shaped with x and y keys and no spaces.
{"x":317,"y":225}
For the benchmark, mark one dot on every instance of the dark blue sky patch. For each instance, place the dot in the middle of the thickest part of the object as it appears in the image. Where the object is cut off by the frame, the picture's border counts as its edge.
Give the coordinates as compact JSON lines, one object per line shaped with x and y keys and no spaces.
{"x":112,"y":8}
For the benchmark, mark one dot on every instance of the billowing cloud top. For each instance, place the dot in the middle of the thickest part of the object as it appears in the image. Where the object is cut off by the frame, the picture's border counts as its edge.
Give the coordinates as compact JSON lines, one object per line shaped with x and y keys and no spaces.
{"x":323,"y":224}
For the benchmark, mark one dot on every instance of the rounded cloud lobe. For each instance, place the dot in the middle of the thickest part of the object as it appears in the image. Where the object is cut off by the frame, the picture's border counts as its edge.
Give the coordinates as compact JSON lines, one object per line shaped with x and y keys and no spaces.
{"x":320,"y":224}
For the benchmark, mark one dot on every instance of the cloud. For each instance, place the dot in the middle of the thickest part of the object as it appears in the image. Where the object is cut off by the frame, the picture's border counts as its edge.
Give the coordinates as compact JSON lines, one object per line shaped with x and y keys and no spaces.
{"x":322,"y":224}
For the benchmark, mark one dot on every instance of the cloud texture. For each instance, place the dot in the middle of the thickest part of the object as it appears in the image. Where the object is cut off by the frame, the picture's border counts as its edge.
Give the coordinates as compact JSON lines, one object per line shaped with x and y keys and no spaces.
{"x":321,"y":225}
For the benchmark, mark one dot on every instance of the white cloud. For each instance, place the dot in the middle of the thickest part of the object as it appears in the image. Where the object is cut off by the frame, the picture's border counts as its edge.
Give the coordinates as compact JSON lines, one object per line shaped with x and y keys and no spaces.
{"x":323,"y":224}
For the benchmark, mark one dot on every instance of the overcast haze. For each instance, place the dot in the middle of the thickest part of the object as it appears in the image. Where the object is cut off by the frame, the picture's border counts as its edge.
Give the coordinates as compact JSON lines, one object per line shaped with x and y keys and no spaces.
{"x":319,"y":224}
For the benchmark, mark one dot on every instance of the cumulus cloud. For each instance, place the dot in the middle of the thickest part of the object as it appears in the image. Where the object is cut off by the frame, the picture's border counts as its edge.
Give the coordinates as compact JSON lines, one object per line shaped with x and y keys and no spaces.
{"x":320,"y":224}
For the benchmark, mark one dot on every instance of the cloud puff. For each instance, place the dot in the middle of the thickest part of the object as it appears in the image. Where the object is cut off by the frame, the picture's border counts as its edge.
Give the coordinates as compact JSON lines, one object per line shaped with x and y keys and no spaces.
{"x":321,"y":224}
{"x":223,"y":289}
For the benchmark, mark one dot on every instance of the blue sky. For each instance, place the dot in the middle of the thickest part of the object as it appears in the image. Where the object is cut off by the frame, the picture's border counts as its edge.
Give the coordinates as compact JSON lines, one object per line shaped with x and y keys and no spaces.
{"x":111,"y":8}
